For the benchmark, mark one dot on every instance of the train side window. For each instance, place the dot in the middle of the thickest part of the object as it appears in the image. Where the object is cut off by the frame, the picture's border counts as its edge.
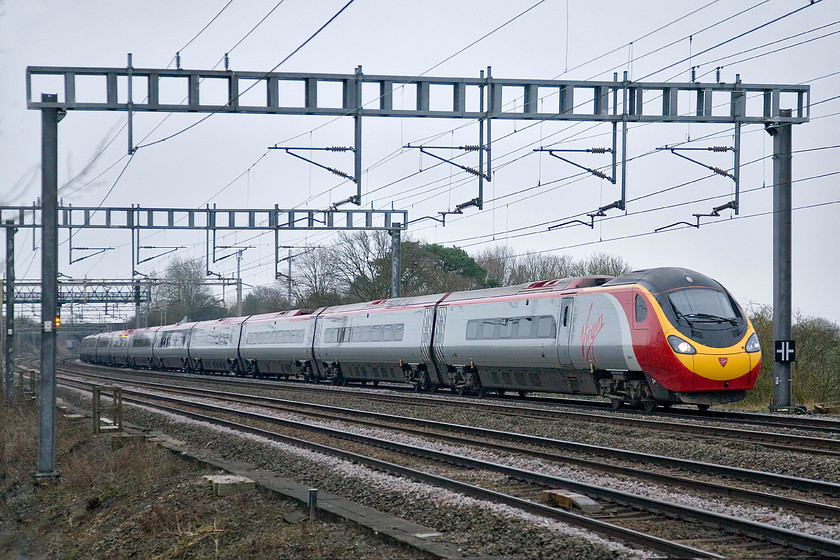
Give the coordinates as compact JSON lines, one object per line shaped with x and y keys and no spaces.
{"x":546,"y":327}
{"x":506,"y":329}
{"x":525,"y":327}
{"x":376,"y":333}
{"x":641,"y":309}
{"x":398,"y":331}
{"x":487,"y":329}
{"x":365,"y":334}
{"x":387,"y":333}
{"x":472,"y":330}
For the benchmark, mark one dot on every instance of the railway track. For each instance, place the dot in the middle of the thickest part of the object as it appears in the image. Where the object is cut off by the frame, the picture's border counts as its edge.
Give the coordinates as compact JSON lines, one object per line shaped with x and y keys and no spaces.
{"x":677,"y":422}
{"x":751,"y":536}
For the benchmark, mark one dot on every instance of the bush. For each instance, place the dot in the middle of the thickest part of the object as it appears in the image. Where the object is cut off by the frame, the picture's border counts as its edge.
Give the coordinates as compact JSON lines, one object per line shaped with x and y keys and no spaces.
{"x":816,"y":372}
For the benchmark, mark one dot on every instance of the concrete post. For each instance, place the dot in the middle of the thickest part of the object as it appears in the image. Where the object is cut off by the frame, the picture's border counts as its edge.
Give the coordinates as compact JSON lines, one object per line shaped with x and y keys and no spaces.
{"x":395,"y":261}
{"x":782,"y":173}
{"x":8,"y":335}
{"x":49,"y":286}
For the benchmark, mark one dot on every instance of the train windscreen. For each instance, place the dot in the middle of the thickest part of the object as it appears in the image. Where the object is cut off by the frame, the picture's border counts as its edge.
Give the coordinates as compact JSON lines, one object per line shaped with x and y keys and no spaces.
{"x":701,"y":302}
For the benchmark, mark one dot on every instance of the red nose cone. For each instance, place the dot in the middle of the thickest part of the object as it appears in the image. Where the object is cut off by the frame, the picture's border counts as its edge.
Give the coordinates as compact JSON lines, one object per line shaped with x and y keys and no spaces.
{"x":723,"y":361}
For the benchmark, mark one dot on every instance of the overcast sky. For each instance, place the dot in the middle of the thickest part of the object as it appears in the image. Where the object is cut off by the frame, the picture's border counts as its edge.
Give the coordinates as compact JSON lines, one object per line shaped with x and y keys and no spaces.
{"x":224,"y":160}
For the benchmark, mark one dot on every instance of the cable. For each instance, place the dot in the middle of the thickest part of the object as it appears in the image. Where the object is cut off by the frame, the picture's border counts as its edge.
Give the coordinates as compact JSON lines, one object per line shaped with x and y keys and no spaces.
{"x":744,"y":34}
{"x":246,"y":90}
{"x":203,"y":29}
{"x":265,"y":17}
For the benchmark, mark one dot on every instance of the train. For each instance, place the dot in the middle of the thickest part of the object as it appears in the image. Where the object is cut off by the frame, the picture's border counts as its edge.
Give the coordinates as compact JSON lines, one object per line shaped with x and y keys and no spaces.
{"x":652,"y":337}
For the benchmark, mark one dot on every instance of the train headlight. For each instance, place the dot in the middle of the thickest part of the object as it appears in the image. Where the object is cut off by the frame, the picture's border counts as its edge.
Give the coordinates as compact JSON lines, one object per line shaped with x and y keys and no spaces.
{"x":752,"y":344}
{"x":680,"y":346}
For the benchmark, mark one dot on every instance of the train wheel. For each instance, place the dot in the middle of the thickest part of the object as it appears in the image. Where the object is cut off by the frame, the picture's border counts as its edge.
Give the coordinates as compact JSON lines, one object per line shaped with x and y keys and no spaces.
{"x":615,"y":403}
{"x":418,"y":387}
{"x":376,"y":383}
{"x":501,"y":392}
{"x":522,"y":394}
{"x":703,"y":407}
{"x":649,"y":405}
{"x":481,"y":392}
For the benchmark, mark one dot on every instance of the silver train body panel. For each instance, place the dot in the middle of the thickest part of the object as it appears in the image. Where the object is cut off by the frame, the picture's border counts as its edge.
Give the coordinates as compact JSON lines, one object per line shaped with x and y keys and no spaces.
{"x":276,"y":343}
{"x":378,"y":341}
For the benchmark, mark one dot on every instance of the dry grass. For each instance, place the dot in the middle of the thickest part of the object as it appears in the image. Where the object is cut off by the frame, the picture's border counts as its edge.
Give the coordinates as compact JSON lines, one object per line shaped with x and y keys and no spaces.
{"x":140,"y":501}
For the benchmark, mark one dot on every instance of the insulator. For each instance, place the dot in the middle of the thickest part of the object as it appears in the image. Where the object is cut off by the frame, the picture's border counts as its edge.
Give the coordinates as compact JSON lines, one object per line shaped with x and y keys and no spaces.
{"x":717,"y":73}
{"x":341,"y":173}
{"x":471,"y":147}
{"x":693,"y":74}
{"x":719,"y":149}
{"x":598,"y":150}
{"x":471,"y":170}
{"x":339,"y":149}
{"x":227,"y":62}
{"x":599,"y":174}
{"x":178,"y":60}
{"x":719,"y":171}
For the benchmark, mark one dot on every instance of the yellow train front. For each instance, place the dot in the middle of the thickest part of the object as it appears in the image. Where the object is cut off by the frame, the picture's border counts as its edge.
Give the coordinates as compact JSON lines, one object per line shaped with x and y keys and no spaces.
{"x":691,"y":339}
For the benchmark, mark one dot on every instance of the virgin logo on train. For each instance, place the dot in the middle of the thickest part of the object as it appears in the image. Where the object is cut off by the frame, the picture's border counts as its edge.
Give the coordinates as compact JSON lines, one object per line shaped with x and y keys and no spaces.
{"x":723,"y":361}
{"x":588,"y":335}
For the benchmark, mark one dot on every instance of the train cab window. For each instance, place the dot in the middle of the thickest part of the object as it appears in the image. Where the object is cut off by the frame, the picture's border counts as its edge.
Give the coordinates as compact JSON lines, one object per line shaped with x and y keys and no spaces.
{"x":702,"y":300}
{"x":641,"y":309}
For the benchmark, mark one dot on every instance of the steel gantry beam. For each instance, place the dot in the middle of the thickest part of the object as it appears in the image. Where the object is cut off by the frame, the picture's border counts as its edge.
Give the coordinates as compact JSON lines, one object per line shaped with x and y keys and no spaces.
{"x":87,"y":291}
{"x":687,"y":102}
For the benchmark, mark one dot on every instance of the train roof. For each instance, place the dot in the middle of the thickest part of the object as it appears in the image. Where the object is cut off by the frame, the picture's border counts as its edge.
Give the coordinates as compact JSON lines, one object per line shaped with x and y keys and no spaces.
{"x":658,"y":280}
{"x":543,"y":286}
{"x":263,"y":317}
{"x":383,"y":304}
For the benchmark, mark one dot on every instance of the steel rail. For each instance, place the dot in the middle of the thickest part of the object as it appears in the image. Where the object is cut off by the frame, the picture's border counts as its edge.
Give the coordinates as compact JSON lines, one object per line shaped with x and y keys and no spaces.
{"x":760,"y":531}
{"x":808,"y":422}
{"x":636,"y":538}
{"x":329,"y":412}
{"x":779,"y":480}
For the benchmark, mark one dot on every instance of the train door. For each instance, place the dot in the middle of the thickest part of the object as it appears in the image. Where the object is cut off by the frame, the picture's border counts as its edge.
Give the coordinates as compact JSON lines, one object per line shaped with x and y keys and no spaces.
{"x":564,"y":331}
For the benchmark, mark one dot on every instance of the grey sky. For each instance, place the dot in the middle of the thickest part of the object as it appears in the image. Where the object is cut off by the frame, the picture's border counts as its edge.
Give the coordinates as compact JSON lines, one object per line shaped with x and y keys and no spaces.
{"x":556,"y":39}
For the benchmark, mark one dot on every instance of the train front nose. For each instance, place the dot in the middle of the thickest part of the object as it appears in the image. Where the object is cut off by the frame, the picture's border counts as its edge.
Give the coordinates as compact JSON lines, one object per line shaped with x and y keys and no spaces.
{"x":723,"y":365}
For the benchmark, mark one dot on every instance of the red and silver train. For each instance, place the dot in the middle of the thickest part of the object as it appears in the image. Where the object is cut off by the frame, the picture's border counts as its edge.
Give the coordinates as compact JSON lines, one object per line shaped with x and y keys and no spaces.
{"x":651,"y":337}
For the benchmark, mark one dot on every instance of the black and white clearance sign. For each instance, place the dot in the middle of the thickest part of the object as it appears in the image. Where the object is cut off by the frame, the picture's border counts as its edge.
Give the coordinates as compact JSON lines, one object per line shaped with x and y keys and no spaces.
{"x":785,"y":351}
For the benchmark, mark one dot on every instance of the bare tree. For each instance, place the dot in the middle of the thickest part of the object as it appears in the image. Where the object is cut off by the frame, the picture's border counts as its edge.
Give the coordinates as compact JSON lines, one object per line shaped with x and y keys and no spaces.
{"x":265,"y":299}
{"x":362,"y":261}
{"x":184,"y":293}
{"x":317,"y":281}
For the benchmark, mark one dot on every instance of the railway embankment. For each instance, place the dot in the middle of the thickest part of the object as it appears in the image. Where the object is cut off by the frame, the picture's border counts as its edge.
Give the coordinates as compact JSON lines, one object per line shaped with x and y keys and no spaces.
{"x":128,"y":498}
